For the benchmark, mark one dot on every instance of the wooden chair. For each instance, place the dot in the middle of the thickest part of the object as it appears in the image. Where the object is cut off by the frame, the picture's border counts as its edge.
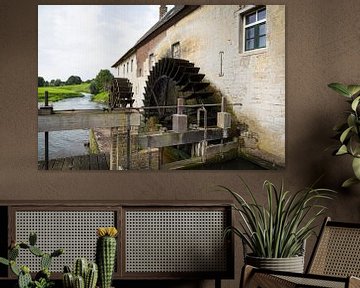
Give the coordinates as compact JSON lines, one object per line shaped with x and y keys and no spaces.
{"x":335,"y":262}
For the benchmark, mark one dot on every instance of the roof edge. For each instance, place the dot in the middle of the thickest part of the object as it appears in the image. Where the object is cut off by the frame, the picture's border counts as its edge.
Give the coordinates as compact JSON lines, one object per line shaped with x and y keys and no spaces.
{"x":186,"y":10}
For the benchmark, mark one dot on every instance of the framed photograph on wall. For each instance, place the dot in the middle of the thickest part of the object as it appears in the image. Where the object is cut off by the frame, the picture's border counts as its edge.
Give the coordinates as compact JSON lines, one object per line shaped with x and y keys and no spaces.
{"x":161,"y":87}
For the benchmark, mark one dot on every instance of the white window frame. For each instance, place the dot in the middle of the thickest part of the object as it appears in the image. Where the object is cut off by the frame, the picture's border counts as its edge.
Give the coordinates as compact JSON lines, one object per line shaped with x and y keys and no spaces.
{"x":151,"y":60}
{"x":176,"y":48}
{"x":253,"y":24}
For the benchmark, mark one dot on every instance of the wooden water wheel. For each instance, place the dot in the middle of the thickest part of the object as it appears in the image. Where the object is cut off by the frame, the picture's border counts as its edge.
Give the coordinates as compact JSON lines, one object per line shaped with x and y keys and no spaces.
{"x":121,"y":93}
{"x":170,"y":79}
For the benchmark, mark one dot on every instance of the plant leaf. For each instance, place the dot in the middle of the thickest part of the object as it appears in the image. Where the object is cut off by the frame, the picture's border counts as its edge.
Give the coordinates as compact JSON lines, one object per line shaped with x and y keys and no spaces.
{"x":353,"y":89}
{"x":355,"y":103}
{"x":345,"y":134}
{"x":356,"y":167}
{"x":349,"y":182}
{"x":354,"y":145}
{"x":4,"y":261}
{"x":342,"y":150}
{"x":340,"y":88}
{"x":351,"y":119}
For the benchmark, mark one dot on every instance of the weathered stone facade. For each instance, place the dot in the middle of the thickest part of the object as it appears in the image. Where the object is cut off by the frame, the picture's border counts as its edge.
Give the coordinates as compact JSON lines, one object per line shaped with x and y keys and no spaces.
{"x":139,"y":159}
{"x":211,"y":36}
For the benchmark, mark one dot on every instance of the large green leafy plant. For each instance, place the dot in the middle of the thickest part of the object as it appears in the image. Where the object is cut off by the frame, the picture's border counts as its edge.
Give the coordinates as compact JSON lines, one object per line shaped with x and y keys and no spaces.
{"x":279,"y":229}
{"x":349,"y":132}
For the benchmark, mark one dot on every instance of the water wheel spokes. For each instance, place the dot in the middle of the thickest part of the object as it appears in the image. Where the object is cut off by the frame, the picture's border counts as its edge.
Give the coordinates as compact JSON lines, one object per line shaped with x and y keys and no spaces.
{"x":170,"y":79}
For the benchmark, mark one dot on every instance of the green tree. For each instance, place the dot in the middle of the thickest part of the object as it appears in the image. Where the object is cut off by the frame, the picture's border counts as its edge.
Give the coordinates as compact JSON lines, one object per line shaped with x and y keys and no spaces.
{"x":73,"y":80}
{"x":103,"y":79}
{"x":57,"y":82}
{"x":93,"y":89}
{"x":41,"y":81}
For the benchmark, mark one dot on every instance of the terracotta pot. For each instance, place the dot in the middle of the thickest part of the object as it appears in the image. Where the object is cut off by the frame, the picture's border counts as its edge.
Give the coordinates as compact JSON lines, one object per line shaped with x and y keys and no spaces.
{"x":291,"y":264}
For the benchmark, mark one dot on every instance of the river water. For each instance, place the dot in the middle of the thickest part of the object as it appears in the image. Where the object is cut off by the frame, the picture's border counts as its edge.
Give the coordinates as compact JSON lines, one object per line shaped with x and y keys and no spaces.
{"x":70,"y":142}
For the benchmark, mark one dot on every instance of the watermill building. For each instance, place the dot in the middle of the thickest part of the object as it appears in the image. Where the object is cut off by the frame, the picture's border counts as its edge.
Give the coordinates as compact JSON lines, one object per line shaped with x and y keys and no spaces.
{"x":232,"y":51}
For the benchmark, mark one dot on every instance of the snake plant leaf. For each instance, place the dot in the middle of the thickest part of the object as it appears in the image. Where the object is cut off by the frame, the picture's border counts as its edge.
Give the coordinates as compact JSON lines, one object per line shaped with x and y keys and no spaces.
{"x":356,"y":167}
{"x":342,"y":150}
{"x":341,"y":89}
{"x":355,"y":103}
{"x":279,"y":228}
{"x":349,"y":182}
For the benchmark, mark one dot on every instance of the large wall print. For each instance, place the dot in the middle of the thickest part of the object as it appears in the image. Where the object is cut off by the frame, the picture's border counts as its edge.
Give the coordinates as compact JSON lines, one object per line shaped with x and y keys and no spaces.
{"x":188,"y":87}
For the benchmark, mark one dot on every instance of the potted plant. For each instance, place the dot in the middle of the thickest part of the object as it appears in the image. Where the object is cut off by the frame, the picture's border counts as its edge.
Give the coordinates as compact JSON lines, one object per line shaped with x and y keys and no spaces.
{"x":84,"y":274}
{"x":106,"y":254}
{"x":42,"y":278}
{"x":276,"y":233}
{"x":349,"y":132}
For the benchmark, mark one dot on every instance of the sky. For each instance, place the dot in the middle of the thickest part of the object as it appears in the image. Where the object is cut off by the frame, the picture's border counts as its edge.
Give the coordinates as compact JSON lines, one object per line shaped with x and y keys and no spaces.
{"x":81,"y":40}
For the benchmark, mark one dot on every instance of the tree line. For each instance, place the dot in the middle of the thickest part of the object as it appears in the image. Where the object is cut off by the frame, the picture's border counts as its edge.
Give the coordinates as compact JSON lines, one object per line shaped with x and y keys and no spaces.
{"x":72,"y":80}
{"x":99,"y":84}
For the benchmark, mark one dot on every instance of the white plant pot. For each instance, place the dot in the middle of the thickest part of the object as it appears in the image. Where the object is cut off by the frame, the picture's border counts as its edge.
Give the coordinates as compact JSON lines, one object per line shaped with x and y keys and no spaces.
{"x":291,"y":264}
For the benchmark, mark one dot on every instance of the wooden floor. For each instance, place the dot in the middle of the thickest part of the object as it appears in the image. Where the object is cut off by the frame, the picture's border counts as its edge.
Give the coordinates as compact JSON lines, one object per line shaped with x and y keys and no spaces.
{"x":83,"y":162}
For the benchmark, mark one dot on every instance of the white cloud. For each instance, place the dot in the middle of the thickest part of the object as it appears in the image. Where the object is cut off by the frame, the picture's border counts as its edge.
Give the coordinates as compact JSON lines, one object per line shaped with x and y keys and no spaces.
{"x":82,"y":39}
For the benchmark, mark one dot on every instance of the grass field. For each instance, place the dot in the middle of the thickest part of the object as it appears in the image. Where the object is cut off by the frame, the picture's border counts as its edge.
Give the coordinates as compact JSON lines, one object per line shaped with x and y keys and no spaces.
{"x":62,"y":92}
{"x":102,"y":97}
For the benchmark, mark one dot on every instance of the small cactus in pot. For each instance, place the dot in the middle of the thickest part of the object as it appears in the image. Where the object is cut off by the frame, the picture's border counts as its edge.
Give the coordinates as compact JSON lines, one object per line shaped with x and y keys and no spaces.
{"x":106,"y":254}
{"x":85,"y":275}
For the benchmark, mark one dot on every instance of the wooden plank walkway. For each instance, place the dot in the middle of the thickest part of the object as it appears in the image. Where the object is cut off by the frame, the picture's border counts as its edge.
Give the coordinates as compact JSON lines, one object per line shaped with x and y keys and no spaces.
{"x":181,"y":164}
{"x":83,"y":162}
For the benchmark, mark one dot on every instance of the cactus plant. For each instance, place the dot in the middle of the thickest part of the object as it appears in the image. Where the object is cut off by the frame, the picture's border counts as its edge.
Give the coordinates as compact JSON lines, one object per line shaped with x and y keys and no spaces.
{"x":105,"y":254}
{"x":79,"y":282}
{"x":91,"y":276}
{"x":45,"y":261}
{"x":24,"y":277}
{"x":84,"y":276}
{"x":80,"y":267}
{"x":42,"y":278}
{"x":68,"y":280}
{"x":32,"y":239}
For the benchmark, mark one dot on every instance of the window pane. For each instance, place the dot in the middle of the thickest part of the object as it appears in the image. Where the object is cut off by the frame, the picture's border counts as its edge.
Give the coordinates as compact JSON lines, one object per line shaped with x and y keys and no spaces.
{"x":261,"y":14}
{"x":251,"y":18}
{"x":249,"y":45}
{"x":176,"y":50}
{"x":250,"y":33}
{"x":262,"y":41}
{"x":262,"y":29}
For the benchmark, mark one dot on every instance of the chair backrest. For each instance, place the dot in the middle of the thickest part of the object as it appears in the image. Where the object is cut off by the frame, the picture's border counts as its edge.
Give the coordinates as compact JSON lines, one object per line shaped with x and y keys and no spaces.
{"x":337,"y":251}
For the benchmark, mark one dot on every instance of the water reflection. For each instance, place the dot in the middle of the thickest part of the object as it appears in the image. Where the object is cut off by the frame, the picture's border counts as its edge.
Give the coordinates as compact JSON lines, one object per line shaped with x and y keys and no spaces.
{"x":70,"y":142}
